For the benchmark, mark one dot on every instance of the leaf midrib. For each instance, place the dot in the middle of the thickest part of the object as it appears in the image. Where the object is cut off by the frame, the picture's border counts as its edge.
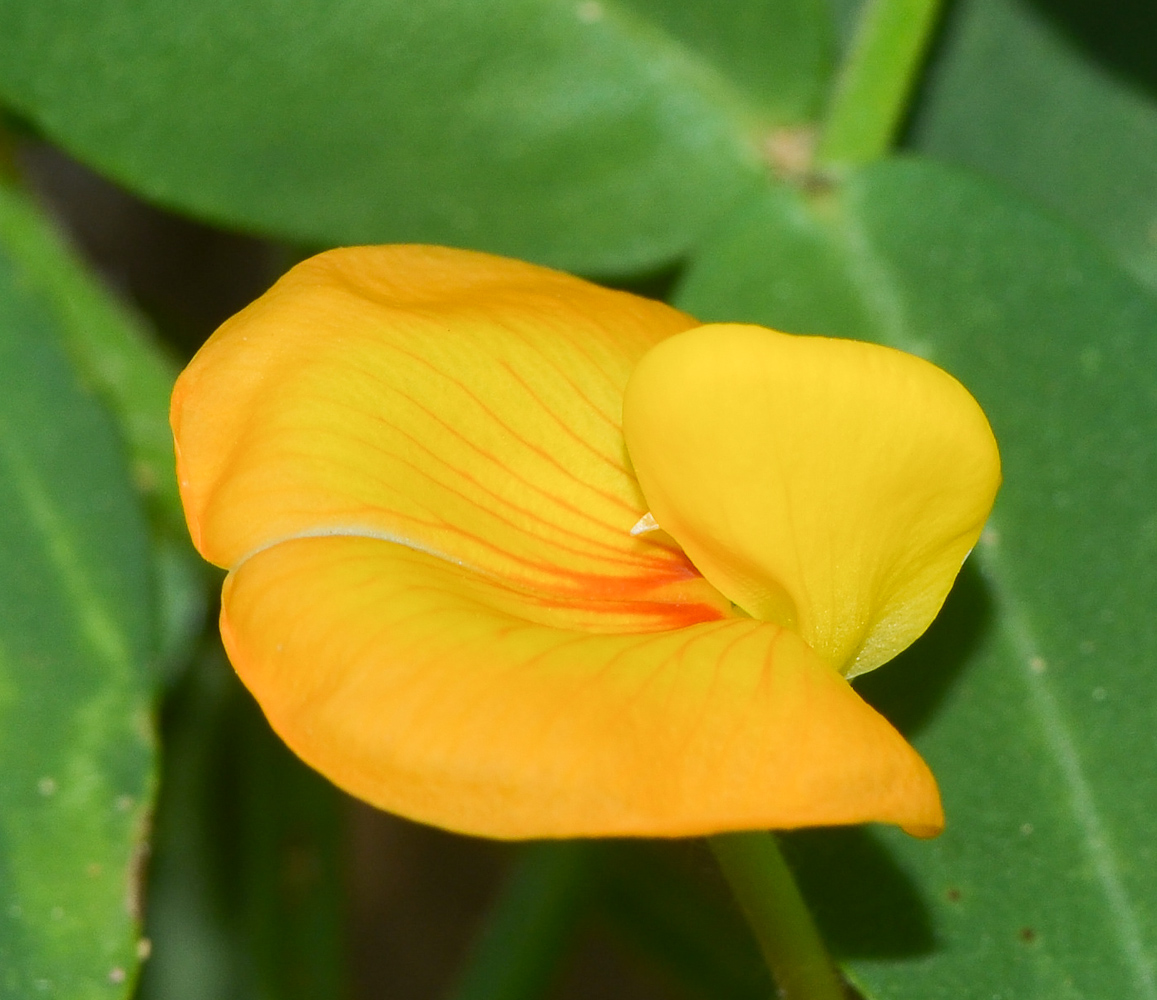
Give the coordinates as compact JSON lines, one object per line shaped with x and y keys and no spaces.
{"x":97,"y":625}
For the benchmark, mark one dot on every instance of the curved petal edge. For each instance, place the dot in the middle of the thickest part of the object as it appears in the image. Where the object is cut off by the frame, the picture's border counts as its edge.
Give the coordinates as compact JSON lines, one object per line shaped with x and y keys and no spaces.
{"x":428,"y":691}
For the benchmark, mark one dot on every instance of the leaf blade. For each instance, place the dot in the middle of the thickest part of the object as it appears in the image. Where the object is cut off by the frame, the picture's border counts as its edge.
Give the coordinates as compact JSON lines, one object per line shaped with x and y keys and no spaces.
{"x":119,"y":360}
{"x":75,"y":632}
{"x":579,"y":134}
{"x":1044,"y":97}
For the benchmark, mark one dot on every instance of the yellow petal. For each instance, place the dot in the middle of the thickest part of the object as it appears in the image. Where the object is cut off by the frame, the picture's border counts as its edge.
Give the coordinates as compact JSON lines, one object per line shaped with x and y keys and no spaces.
{"x":463,"y":404}
{"x":829,"y":485}
{"x":433,"y":693}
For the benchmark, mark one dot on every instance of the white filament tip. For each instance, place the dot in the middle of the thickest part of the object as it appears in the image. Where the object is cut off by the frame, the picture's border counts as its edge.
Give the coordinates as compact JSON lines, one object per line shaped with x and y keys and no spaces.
{"x":645,"y":523}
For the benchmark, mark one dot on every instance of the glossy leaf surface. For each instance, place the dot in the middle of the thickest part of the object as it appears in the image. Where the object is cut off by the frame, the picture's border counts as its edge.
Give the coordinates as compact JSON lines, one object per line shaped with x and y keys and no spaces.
{"x":110,"y":345}
{"x":76,"y":747}
{"x":1033,"y":698}
{"x":599,"y":135}
{"x":1055,"y":97}
{"x":119,"y":360}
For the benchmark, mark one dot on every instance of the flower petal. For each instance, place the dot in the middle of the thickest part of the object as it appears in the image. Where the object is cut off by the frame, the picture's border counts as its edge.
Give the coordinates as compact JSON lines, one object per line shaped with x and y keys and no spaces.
{"x":432,"y":692}
{"x":462,"y":404}
{"x":829,"y":485}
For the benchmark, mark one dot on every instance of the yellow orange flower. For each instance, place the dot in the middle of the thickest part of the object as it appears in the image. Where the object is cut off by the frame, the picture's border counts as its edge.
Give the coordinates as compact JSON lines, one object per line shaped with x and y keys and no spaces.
{"x":412,"y":461}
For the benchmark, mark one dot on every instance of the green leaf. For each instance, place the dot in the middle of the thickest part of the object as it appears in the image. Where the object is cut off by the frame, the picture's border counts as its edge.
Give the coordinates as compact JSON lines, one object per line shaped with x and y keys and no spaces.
{"x":120,"y":362}
{"x":1057,"y":99}
{"x":1033,"y":697}
{"x":778,"y":53}
{"x":600,"y":135}
{"x":76,"y":745}
{"x":245,"y":892}
{"x":110,"y":345}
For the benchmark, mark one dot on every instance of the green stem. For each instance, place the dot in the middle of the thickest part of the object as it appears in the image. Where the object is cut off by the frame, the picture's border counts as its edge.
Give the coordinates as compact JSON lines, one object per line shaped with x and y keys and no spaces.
{"x":872,"y":90}
{"x":779,"y":917}
{"x":529,"y":928}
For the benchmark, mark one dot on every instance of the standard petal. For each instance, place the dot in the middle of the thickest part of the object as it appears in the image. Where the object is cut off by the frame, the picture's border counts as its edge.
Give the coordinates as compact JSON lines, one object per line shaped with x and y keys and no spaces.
{"x":829,"y":485}
{"x":436,"y":694}
{"x":463,"y":404}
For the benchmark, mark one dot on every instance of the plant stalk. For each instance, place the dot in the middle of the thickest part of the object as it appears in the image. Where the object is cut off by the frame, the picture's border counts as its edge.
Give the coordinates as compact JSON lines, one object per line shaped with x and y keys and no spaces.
{"x":766,"y":892}
{"x":872,"y":89}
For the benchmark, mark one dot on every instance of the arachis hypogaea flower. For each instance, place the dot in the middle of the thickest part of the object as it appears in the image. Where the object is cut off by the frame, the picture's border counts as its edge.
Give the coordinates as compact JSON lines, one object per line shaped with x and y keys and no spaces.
{"x":422,"y":468}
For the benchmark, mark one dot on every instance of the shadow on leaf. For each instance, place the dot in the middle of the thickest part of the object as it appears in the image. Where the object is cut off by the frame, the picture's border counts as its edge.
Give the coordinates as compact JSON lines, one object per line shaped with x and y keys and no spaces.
{"x":910,"y":688}
{"x":866,"y":906}
{"x":1118,"y":34}
{"x":865,"y":903}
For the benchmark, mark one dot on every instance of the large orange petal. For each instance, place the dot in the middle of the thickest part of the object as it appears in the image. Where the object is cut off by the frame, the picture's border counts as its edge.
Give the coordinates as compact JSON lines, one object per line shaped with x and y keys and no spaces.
{"x":434,"y":693}
{"x":463,"y":404}
{"x":830,"y":485}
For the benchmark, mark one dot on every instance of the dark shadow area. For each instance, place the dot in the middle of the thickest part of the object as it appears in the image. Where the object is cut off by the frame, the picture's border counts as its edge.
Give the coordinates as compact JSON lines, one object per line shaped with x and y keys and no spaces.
{"x":15,"y":127}
{"x":658,"y":284}
{"x":942,"y":33}
{"x":1120,"y":34}
{"x":668,"y":902}
{"x":910,"y":688}
{"x":417,"y":897}
{"x":422,"y":899}
{"x":185,"y":276}
{"x":864,"y":903}
{"x":600,"y":967}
